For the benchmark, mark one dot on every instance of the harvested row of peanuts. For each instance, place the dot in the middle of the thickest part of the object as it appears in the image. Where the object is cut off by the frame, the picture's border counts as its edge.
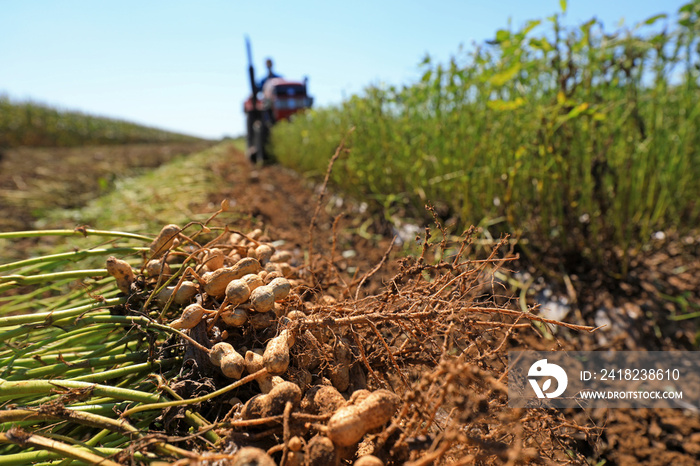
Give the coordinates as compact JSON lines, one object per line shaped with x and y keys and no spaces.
{"x":242,"y":282}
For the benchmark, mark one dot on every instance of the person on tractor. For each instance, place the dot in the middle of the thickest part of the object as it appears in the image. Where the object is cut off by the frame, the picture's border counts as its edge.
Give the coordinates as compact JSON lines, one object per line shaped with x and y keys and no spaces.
{"x":270,"y":74}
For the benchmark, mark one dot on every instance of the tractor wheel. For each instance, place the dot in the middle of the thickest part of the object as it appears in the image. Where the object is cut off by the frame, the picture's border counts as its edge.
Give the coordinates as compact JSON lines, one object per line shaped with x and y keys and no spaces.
{"x":259,"y":140}
{"x":251,"y":138}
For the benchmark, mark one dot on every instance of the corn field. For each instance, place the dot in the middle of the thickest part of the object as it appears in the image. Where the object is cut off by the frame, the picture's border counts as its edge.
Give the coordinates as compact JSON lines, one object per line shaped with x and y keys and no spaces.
{"x":576,"y":138}
{"x":32,"y":124}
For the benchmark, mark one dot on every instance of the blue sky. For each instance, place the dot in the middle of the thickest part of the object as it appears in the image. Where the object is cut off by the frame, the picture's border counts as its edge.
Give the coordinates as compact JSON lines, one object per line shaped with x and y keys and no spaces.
{"x":181,"y":65}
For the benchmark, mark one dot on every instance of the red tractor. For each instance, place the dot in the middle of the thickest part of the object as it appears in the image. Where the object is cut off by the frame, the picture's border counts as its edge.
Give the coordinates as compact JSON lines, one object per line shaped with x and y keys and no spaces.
{"x":278,"y":100}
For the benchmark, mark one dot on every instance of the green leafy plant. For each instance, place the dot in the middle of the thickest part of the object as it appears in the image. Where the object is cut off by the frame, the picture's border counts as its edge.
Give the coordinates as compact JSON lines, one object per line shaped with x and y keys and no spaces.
{"x":33,"y":124}
{"x":577,"y":138}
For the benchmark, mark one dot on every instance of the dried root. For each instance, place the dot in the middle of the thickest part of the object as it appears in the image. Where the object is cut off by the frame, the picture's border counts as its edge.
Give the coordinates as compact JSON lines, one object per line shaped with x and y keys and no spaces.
{"x":412,"y":372}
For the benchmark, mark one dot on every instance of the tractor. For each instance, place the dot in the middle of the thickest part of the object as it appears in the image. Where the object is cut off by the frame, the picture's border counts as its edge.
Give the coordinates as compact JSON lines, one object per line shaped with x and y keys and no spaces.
{"x":277,"y":100}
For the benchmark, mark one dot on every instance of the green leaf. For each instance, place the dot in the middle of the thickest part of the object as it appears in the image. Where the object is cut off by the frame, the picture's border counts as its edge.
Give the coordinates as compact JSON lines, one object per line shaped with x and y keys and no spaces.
{"x":532,"y":24}
{"x":541,"y":44}
{"x":655,"y":18}
{"x":503,"y":77}
{"x":562,"y":4}
{"x":577,"y":110}
{"x":502,"y":35}
{"x":505,"y":105}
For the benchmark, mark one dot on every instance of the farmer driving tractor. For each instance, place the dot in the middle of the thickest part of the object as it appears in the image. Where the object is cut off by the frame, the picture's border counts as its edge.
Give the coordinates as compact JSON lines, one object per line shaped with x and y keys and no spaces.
{"x":272,"y":99}
{"x":270,"y":74}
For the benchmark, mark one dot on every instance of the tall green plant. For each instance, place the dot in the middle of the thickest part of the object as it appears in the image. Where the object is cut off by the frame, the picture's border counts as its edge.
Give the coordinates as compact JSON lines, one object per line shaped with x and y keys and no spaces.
{"x":32,"y":124}
{"x":579,"y":138}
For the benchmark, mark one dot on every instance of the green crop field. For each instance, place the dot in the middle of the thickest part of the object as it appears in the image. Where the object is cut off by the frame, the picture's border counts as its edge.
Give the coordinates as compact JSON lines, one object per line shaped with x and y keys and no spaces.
{"x":32,"y":124}
{"x":579,"y":139}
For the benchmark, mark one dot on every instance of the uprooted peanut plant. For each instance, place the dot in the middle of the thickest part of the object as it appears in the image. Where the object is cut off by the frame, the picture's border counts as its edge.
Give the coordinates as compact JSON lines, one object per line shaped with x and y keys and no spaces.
{"x":216,"y":346}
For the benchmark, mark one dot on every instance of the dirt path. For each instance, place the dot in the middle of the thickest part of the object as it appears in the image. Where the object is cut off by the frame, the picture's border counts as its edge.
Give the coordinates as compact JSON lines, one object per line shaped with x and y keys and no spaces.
{"x":283,"y":203}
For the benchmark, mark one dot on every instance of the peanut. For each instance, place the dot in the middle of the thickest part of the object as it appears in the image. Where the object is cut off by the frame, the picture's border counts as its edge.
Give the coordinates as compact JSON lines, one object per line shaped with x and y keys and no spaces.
{"x":263,"y":253}
{"x":273,"y":403}
{"x":255,"y":234}
{"x":296,"y":315}
{"x":282,"y":268}
{"x":253,"y":281}
{"x":323,"y":399}
{"x":235,"y":318}
{"x":339,"y":373}
{"x":122,"y":273}
{"x":190,"y":317}
{"x":261,"y":320}
{"x":310,"y":356}
{"x":251,"y":456}
{"x":156,"y":267}
{"x":164,"y":240}
{"x":295,"y":443}
{"x":276,"y":355}
{"x":214,"y":259}
{"x":349,"y":424}
{"x":295,"y":458}
{"x":232,"y":364}
{"x":263,"y":298}
{"x":237,"y":292}
{"x":253,"y":363}
{"x":281,"y":256}
{"x":215,"y":284}
{"x":320,"y":451}
{"x":368,"y":460}
{"x":184,"y":294}
{"x":219,"y":351}
{"x":280,"y":288}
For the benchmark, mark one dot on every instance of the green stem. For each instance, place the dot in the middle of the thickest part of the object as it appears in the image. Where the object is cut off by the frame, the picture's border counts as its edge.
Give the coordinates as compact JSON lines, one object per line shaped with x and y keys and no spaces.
{"x":122,"y":372}
{"x":31,"y":387}
{"x":141,"y":321}
{"x":47,"y":318}
{"x":69,"y":256}
{"x":55,"y":369}
{"x":200,"y":399}
{"x":79,"y":417}
{"x":43,"y":455}
{"x":86,"y":232}
{"x":19,"y":280}
{"x":32,"y":440}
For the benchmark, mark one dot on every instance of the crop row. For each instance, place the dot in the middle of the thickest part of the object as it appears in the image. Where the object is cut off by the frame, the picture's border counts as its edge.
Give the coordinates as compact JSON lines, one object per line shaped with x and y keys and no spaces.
{"x":574,"y":138}
{"x":32,"y":124}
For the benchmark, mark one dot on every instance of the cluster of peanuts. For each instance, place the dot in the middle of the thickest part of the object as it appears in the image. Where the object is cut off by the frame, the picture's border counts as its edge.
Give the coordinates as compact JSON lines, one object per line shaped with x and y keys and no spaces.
{"x":243,"y":281}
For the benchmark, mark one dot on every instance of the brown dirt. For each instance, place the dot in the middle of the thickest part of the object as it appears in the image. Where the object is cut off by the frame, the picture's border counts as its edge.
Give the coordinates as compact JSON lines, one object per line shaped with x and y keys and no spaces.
{"x":35,"y":179}
{"x":284,"y":204}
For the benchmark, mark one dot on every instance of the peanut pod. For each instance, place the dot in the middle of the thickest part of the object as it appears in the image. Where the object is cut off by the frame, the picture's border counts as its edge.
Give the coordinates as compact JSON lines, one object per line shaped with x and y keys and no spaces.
{"x":263,"y":298}
{"x":190,"y":317}
{"x":349,"y":424}
{"x":280,"y":288}
{"x":272,"y":403}
{"x":276,"y":355}
{"x":164,"y":241}
{"x":122,"y":273}
{"x":215,"y":283}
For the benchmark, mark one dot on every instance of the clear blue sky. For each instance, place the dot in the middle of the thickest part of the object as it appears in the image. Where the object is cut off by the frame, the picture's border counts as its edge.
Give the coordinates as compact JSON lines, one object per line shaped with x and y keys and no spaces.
{"x":181,"y":65}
